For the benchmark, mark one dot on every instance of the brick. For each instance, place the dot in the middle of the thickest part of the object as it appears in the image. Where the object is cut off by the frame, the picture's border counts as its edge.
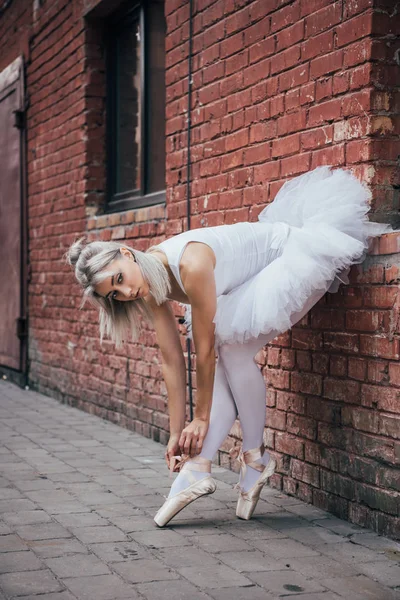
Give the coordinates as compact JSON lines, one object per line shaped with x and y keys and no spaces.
{"x":383,"y":398}
{"x":290,"y":402}
{"x":305,"y":472}
{"x":288,"y":444}
{"x":301,"y":426}
{"x":386,"y":501}
{"x":364,"y":420}
{"x":353,"y":29}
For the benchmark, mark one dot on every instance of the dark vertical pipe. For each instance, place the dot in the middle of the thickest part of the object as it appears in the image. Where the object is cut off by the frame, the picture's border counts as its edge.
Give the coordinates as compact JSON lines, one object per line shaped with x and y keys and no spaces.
{"x":188,"y":175}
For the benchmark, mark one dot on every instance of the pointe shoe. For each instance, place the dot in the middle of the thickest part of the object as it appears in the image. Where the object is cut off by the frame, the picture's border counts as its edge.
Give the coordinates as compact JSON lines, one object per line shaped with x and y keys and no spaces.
{"x":199,"y":487}
{"x":247,"y":501}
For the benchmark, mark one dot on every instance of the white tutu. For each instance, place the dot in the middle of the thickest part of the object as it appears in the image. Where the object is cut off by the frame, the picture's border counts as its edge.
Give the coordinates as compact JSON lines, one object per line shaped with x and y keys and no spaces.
{"x":326,"y":211}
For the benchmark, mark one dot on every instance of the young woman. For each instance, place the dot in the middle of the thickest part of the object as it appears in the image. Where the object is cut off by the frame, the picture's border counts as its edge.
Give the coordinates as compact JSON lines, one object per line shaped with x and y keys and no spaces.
{"x":242,"y":284}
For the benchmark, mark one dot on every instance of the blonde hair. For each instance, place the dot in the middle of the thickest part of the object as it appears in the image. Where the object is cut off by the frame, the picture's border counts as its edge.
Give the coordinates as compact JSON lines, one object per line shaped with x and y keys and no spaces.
{"x":116,"y":319}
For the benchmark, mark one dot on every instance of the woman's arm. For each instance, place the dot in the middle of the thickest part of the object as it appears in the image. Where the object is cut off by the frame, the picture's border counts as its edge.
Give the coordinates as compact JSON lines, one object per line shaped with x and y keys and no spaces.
{"x":199,"y":282}
{"x":175,"y":381}
{"x":173,"y":362}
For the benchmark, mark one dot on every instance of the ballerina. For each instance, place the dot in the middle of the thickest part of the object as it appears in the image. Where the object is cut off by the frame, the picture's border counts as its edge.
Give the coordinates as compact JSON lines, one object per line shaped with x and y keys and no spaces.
{"x":242,"y":285}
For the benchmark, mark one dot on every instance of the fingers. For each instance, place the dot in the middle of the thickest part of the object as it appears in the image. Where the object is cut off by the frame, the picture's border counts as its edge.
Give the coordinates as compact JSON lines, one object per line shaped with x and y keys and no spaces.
{"x":190,"y":442}
{"x":200,"y":443}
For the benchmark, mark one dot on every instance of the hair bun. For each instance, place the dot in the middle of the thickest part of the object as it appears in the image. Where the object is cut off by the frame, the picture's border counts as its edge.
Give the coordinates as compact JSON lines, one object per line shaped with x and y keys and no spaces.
{"x":73,"y":253}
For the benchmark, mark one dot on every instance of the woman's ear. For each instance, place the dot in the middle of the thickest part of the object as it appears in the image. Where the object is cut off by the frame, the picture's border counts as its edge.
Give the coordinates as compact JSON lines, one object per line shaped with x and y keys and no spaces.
{"x":127,"y":253}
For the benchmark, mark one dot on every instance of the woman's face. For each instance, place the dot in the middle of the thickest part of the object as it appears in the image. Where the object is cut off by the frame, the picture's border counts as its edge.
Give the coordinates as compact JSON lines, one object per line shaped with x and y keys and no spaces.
{"x":128,"y":282}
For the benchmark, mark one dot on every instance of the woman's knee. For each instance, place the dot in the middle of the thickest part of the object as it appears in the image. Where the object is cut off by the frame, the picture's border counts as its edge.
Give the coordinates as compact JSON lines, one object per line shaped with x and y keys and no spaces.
{"x":237,"y":354}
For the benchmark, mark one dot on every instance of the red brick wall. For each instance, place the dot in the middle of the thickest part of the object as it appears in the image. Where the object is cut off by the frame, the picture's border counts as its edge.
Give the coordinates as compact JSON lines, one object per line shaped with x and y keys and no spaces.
{"x":277,"y":89}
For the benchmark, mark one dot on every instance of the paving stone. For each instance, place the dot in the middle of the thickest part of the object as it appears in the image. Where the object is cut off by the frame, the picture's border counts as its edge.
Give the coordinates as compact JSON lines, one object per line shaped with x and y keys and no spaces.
{"x":285,"y":582}
{"x":12,"y":543}
{"x":65,"y":508}
{"x":284,"y":548}
{"x":132,"y":490}
{"x":49,"y":496}
{"x":282,"y":520}
{"x":4,"y":528}
{"x":26,"y":517}
{"x":99,"y":498}
{"x":382,"y":572}
{"x":174,"y":557}
{"x":8,"y":493}
{"x":359,"y":587}
{"x":72,"y":477}
{"x":223,"y":542}
{"x":91,"y":535}
{"x":351,"y":553}
{"x":315,"y":596}
{"x":160,"y":538}
{"x":318,"y":566}
{"x":114,"y":480}
{"x":246,"y":560}
{"x":101,"y":587}
{"x":218,"y":515}
{"x":199,"y":527}
{"x":42,"y":531}
{"x":31,"y":582}
{"x":83,"y":488}
{"x":175,"y":590}
{"x":250,"y":530}
{"x":59,"y":547}
{"x":149,"y":501}
{"x":56,"y":596}
{"x":16,"y":505}
{"x":39,"y":483}
{"x":19,"y":561}
{"x":87,"y":519}
{"x":216,"y":576}
{"x":119,"y":551}
{"x":377,"y":542}
{"x":143,"y":570}
{"x":77,"y":565}
{"x":339,"y":526}
{"x":314,"y":535}
{"x":132,"y":523}
{"x":252,"y":592}
{"x":118,"y":510}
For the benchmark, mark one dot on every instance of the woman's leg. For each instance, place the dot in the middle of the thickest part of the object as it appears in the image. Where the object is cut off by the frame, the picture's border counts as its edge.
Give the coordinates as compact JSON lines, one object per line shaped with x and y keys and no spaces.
{"x":222,"y":417}
{"x":249,"y":392}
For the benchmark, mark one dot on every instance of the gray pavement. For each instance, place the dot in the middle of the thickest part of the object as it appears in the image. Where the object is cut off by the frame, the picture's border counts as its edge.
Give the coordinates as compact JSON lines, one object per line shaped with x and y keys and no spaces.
{"x":77,"y":500}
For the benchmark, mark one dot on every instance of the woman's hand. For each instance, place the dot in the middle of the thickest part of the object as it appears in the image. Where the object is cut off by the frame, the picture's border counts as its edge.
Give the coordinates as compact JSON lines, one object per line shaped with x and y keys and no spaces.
{"x":192,"y":437}
{"x":172,"y":450}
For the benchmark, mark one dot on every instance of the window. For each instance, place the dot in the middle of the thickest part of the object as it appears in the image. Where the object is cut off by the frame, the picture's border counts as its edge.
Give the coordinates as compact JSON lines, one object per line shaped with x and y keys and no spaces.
{"x":136,"y":106}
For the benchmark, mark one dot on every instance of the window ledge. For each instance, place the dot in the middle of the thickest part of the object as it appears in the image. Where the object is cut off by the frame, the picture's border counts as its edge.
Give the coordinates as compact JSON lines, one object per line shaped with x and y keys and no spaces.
{"x":136,"y":215}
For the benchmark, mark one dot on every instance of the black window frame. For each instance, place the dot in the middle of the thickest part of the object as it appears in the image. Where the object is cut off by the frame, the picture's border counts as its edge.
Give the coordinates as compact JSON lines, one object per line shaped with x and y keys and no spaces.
{"x":128,"y":200}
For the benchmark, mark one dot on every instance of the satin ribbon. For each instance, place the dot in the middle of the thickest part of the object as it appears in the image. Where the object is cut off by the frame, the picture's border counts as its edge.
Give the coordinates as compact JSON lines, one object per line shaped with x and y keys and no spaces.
{"x":176,"y":463}
{"x":236,"y":453}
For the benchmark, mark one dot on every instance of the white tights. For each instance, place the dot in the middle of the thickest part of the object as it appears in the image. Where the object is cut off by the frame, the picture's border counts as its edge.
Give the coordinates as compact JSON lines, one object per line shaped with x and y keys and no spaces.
{"x":239,"y":389}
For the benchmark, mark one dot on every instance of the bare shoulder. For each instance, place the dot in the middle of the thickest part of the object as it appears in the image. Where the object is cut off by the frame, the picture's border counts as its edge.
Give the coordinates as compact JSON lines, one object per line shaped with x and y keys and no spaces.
{"x":197,"y":270}
{"x":198,"y":255}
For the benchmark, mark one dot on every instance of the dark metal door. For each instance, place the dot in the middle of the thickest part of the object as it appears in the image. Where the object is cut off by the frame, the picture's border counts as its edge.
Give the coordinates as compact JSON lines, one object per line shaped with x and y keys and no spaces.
{"x":12,"y":218}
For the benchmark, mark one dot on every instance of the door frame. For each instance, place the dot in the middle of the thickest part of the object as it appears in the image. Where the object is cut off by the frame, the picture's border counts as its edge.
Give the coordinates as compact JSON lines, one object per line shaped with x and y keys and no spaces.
{"x":14,"y":75}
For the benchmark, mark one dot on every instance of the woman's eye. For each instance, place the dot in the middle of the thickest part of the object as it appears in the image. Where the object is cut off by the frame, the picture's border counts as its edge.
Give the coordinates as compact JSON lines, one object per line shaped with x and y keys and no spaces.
{"x":119,"y":278}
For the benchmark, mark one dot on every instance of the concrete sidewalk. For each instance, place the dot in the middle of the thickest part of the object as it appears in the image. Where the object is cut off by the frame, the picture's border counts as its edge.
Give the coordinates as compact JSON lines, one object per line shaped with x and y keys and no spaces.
{"x":77,"y":500}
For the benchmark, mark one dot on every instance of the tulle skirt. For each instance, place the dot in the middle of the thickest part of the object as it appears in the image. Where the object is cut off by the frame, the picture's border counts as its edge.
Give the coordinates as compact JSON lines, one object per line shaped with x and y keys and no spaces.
{"x":326,"y":211}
